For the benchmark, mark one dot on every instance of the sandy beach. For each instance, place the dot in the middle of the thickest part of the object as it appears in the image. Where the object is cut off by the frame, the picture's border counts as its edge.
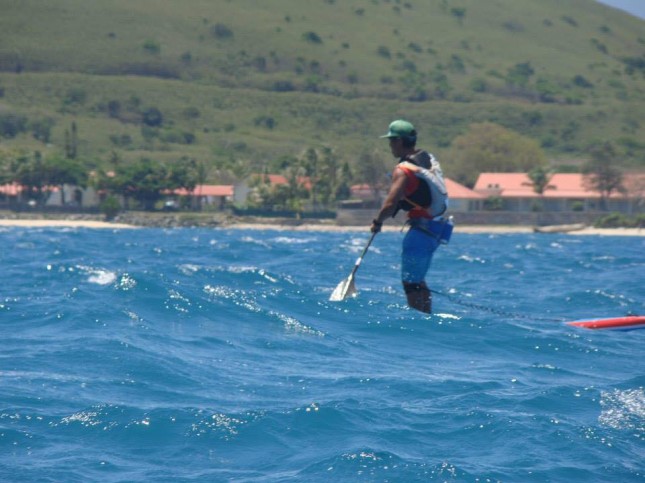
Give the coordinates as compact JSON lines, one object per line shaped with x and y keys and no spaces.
{"x":474,"y":229}
{"x":64,"y":224}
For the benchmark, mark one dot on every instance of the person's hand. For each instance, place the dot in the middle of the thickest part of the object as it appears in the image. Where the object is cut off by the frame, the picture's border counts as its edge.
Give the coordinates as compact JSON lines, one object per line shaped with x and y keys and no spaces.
{"x":376,"y":226}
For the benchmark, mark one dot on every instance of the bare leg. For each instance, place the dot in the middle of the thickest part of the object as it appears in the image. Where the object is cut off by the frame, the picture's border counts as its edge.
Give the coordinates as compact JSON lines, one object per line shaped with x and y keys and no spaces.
{"x":419,"y":296}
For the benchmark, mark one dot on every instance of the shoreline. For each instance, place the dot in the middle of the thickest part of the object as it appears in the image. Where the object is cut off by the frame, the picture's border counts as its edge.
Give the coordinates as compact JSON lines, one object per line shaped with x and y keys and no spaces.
{"x":273,"y":225}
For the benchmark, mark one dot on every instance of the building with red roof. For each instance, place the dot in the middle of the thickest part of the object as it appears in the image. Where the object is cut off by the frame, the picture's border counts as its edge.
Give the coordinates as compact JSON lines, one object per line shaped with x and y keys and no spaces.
{"x":563,"y":192}
{"x":214,"y":195}
{"x":460,"y":197}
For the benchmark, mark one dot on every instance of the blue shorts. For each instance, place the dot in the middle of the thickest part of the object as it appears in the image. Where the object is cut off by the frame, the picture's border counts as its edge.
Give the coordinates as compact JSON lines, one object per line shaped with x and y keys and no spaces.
{"x":418,"y":248}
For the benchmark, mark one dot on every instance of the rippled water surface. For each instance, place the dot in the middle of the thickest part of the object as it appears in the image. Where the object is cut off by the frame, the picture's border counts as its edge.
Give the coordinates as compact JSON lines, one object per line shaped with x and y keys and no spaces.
{"x":215,"y":355}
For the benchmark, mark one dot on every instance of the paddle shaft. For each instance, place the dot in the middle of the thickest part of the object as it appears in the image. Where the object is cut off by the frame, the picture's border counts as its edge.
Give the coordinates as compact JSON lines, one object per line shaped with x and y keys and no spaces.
{"x":360,"y":259}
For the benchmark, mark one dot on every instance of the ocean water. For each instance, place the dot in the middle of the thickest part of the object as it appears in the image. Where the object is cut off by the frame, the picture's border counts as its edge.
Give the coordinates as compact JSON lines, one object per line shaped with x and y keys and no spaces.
{"x":215,"y":355}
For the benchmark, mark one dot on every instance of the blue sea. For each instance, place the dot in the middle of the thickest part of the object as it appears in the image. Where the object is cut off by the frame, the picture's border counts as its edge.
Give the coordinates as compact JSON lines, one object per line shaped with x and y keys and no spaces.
{"x":214,"y":355}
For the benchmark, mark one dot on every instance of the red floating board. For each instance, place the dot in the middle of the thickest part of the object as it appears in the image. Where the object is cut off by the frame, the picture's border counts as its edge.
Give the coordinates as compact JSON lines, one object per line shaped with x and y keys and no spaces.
{"x":629,"y":322}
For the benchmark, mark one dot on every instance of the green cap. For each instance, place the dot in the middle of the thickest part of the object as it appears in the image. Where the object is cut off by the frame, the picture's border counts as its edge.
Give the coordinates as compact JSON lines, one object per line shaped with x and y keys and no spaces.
{"x":401,"y":129}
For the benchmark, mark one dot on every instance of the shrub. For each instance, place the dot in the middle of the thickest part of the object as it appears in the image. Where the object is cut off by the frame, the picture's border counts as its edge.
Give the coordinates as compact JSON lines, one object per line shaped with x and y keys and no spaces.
{"x":75,"y":95}
{"x":478,"y":85}
{"x":122,"y":140}
{"x":149,"y":133}
{"x":191,"y":113}
{"x":283,"y":86}
{"x":532,"y":118}
{"x":114,"y":108}
{"x":581,"y":81}
{"x":312,"y":37}
{"x":599,"y":45}
{"x":570,"y":20}
{"x":221,"y":32}
{"x":152,"y":46}
{"x":634,"y":64}
{"x":513,"y":26}
{"x":265,"y":121}
{"x":493,"y":203}
{"x":260,"y":63}
{"x":41,"y":129}
{"x":110,"y":207}
{"x":459,"y":14}
{"x":383,"y":51}
{"x":618,"y":220}
{"x":409,"y":66}
{"x":177,"y":137}
{"x":547,"y":91}
{"x":577,"y":206}
{"x":152,"y":117}
{"x":457,"y":64}
{"x":12,"y":124}
{"x":520,"y":74}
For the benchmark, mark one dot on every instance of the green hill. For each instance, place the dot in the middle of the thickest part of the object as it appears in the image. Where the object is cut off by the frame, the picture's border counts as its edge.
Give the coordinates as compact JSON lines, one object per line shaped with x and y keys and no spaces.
{"x":254,"y":80}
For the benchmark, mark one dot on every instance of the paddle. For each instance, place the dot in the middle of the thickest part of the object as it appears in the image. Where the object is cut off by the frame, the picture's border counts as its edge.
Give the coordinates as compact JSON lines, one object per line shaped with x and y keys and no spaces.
{"x":346,"y":288}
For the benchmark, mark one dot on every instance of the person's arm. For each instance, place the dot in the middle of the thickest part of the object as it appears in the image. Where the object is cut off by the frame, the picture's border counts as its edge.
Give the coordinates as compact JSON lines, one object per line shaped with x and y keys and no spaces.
{"x":396,"y":193}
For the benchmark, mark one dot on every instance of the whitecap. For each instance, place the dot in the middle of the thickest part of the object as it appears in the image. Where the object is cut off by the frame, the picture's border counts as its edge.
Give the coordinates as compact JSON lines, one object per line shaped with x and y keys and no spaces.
{"x":102,"y":277}
{"x":189,"y":269}
{"x":448,"y":316}
{"x":294,"y":325}
{"x":99,"y":276}
{"x":467,"y":258}
{"x":293,"y":241}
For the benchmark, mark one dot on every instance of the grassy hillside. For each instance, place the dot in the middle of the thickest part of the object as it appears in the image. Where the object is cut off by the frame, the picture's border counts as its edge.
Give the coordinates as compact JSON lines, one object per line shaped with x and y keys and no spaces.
{"x":254,"y":80}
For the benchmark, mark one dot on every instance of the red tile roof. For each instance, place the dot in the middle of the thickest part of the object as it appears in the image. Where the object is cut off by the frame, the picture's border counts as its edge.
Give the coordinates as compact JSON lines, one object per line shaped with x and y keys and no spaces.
{"x":278,"y":179}
{"x":459,"y":191}
{"x":206,"y":190}
{"x":561,"y":185}
{"x":12,"y":189}
{"x":508,"y":185}
{"x":455,"y":190}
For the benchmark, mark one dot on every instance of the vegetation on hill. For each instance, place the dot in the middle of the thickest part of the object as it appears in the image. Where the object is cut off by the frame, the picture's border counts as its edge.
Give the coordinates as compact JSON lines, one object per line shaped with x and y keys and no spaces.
{"x":238,"y":85}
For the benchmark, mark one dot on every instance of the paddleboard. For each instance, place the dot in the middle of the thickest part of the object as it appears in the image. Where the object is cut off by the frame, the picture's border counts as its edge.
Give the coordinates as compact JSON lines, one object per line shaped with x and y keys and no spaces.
{"x":629,"y":322}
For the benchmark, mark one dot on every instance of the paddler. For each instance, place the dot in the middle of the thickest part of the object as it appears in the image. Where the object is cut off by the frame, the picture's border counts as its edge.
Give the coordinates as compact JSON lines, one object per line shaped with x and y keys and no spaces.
{"x":418,"y":188}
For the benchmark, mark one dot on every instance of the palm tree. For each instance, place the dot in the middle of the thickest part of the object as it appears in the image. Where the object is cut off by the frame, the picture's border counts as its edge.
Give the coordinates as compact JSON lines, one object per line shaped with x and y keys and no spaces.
{"x":540,"y":177}
{"x":601,"y":174}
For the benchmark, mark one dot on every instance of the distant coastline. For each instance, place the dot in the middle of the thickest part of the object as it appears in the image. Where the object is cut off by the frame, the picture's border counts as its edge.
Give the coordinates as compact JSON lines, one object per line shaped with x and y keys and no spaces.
{"x":87,"y":221}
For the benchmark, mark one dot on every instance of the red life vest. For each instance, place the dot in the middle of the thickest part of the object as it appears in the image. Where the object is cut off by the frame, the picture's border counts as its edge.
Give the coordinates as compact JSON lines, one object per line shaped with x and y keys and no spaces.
{"x":425,"y":188}
{"x":417,"y":194}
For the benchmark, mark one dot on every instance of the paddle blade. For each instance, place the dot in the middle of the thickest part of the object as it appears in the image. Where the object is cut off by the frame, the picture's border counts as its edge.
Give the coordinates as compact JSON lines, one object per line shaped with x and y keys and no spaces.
{"x":344,"y":289}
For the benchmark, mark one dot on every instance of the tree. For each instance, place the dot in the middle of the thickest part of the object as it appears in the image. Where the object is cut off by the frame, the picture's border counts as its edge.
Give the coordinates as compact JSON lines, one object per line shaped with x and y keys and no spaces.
{"x":488,"y":147}
{"x":71,"y":142}
{"x":372,"y":170}
{"x":540,"y":177}
{"x":600,"y":173}
{"x":309,"y":162}
{"x":28,"y":172}
{"x":329,"y":180}
{"x":201,"y":175}
{"x":459,"y":14}
{"x":287,"y":196}
{"x":152,"y":117}
{"x":59,"y":171}
{"x":144,"y":180}
{"x":520,"y":74}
